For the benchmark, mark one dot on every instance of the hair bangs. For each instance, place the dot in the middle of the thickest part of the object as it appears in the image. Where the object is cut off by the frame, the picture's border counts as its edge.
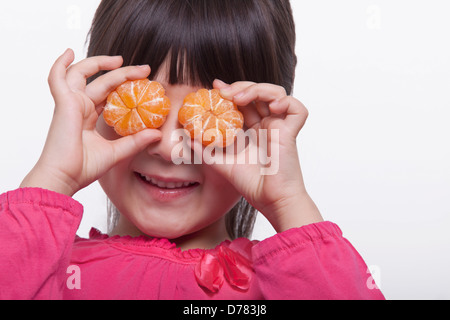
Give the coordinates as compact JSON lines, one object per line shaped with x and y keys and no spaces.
{"x":194,"y":42}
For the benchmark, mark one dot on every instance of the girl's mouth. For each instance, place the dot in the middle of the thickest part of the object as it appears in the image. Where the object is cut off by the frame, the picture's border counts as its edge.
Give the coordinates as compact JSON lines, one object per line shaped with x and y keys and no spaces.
{"x":166,"y":189}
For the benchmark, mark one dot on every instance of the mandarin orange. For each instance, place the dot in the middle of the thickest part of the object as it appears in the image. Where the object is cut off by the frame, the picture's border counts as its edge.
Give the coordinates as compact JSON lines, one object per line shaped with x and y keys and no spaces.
{"x":135,"y":106}
{"x":210,"y":118}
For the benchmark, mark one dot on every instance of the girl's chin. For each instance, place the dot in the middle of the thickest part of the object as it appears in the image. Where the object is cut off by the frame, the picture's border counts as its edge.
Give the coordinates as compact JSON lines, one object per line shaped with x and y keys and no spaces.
{"x":165,"y":228}
{"x":173,"y":228}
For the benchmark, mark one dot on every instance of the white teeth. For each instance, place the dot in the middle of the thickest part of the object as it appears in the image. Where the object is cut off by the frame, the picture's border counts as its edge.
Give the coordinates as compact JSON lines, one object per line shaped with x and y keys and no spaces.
{"x":167,"y":185}
{"x":161,"y":185}
{"x":171,"y":185}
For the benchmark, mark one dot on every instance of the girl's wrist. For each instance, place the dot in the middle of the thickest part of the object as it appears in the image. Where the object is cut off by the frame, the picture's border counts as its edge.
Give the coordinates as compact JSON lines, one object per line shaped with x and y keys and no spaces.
{"x":39,"y":178}
{"x":293,"y":212}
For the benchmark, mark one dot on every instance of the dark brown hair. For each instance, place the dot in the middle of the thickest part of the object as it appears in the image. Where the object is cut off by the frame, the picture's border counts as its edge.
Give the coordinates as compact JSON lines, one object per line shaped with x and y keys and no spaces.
{"x":203,"y":40}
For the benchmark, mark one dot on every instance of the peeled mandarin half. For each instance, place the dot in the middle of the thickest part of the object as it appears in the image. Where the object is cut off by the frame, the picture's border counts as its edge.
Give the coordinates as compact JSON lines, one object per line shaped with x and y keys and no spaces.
{"x":210,"y":118}
{"x":135,"y":106}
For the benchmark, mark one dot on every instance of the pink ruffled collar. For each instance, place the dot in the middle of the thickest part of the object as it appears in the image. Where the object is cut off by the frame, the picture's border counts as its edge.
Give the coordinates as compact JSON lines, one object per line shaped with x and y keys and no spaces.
{"x":231,"y":261}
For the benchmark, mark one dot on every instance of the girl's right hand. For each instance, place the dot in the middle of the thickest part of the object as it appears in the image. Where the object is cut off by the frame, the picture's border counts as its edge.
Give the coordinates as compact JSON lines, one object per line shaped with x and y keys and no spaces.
{"x":75,"y":154}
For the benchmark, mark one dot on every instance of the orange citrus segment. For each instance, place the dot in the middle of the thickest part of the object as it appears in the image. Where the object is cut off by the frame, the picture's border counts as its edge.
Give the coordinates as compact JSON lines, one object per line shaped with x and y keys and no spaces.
{"x":135,"y":106}
{"x":208,"y":116}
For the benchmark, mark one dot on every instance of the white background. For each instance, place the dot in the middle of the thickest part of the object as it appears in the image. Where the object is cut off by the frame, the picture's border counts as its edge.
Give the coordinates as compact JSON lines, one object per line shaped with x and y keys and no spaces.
{"x":375,"y":152}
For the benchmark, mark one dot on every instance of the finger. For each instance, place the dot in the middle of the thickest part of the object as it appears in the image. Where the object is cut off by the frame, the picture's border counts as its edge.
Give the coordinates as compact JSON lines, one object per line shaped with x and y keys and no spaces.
{"x":262,"y":108}
{"x":251,"y":114}
{"x":57,"y":76}
{"x":229,"y":91}
{"x":101,"y":87}
{"x":78,"y":73}
{"x":219,"y":84}
{"x":129,"y":146}
{"x":214,"y":157}
{"x":256,"y":95}
{"x":262,"y":92}
{"x":295,"y":111}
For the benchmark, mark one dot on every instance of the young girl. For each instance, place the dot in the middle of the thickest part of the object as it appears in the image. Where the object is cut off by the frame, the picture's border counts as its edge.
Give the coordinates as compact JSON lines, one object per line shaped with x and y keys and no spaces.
{"x":178,"y":231}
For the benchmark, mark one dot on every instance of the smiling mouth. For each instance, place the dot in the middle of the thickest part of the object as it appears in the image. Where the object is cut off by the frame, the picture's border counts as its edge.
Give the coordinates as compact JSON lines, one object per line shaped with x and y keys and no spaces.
{"x":168,"y":184}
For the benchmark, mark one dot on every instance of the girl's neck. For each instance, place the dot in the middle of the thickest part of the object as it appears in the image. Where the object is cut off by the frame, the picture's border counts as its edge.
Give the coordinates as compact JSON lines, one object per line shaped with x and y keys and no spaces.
{"x":207,"y":238}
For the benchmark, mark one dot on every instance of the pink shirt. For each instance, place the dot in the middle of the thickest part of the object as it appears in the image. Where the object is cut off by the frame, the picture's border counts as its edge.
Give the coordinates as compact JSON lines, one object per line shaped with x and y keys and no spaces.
{"x":42,"y":258}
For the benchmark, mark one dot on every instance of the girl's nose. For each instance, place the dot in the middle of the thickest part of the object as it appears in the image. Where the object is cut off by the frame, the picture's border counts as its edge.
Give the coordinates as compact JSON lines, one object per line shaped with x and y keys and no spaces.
{"x":174,"y":138}
{"x":164,"y":147}
{"x":173,"y":146}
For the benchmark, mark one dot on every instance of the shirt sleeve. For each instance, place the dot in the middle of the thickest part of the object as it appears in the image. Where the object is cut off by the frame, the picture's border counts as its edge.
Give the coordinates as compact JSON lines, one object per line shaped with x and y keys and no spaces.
{"x":314,"y":262}
{"x":37,"y":231}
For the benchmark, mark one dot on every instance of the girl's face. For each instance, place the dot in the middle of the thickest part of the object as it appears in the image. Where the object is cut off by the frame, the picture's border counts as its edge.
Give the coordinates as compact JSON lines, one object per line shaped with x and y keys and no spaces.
{"x":160,"y":199}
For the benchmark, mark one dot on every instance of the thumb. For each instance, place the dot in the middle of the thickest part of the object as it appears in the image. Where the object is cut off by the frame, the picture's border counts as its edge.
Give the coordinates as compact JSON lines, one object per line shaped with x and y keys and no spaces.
{"x":127,"y":147}
{"x":216,"y":157}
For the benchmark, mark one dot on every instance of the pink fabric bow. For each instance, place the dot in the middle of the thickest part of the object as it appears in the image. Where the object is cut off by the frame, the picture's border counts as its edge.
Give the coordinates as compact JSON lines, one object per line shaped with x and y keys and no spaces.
{"x":224,"y":264}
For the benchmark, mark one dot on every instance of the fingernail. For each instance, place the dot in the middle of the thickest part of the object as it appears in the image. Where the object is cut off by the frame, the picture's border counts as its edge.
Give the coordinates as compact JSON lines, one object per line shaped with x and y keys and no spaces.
{"x":68,"y":50}
{"x":226,"y":92}
{"x":222,"y":84}
{"x":275,"y":103}
{"x":240,"y":95}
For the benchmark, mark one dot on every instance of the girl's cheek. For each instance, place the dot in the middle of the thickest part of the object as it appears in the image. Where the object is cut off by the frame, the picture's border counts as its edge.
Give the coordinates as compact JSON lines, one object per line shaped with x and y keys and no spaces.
{"x":218,"y":190}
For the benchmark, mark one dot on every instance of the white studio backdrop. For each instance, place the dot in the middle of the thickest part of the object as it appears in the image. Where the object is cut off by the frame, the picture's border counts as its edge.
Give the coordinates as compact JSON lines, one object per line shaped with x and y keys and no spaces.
{"x":375,"y":76}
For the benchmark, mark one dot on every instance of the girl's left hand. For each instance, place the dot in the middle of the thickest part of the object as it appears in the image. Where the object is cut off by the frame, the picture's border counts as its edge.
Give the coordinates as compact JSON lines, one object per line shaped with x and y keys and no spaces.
{"x":281,"y":195}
